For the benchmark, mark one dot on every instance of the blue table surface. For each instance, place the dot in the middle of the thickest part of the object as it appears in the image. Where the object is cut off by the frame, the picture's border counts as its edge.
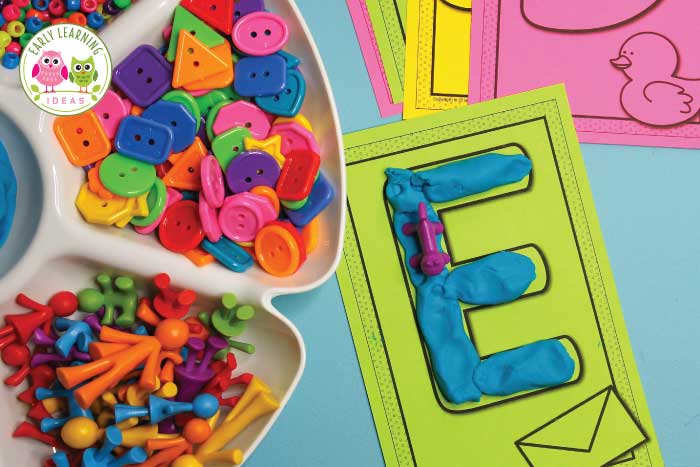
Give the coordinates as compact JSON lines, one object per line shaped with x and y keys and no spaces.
{"x":647,"y":203}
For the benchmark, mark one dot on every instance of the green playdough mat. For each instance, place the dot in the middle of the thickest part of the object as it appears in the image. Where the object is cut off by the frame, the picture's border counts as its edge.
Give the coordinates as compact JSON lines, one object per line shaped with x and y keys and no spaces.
{"x":598,"y":418}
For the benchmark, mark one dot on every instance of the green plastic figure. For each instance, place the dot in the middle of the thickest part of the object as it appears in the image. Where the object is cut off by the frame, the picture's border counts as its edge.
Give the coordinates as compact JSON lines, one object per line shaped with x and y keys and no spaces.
{"x":124,"y":298}
{"x":230,"y":320}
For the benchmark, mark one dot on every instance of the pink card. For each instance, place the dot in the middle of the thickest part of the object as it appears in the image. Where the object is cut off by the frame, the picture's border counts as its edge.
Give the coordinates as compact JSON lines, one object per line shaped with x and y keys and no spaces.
{"x":370,"y":52}
{"x":631,"y":67}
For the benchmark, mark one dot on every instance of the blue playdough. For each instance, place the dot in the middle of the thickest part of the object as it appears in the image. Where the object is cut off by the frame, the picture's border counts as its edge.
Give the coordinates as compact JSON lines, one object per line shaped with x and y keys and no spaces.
{"x":497,"y":278}
{"x":538,"y":365}
{"x":8,"y":195}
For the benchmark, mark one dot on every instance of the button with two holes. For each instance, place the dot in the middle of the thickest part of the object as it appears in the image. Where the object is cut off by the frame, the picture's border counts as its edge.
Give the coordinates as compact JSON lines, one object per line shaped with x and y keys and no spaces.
{"x":144,"y":140}
{"x":125,"y":176}
{"x":251,"y":169}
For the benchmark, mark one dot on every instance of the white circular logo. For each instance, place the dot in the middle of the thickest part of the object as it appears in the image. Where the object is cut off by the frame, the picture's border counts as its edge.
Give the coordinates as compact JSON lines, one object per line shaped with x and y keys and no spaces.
{"x":65,"y":69}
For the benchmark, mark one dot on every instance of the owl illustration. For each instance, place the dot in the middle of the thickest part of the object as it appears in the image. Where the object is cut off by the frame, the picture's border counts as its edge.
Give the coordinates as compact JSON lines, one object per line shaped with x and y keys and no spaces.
{"x":82,"y":72}
{"x":50,"y":70}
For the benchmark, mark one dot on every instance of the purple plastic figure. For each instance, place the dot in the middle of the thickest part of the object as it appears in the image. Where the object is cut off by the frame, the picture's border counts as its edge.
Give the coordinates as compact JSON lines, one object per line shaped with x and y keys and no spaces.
{"x":190,"y":376}
{"x":431,"y":261}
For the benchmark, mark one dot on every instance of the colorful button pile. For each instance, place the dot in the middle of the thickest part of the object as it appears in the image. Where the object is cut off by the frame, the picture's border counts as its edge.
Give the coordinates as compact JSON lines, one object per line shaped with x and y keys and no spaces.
{"x":21,"y":19}
{"x":205,"y":143}
{"x":117,"y":379}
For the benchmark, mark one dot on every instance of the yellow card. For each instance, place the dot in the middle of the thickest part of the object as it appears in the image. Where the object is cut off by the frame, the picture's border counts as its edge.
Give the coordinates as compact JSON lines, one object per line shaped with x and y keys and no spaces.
{"x":437,"y":55}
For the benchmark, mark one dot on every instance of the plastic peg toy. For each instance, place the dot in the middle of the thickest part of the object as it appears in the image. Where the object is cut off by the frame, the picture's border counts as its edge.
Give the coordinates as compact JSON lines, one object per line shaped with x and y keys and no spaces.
{"x":76,"y":334}
{"x":231,"y":320}
{"x":105,"y":372}
{"x":143,"y":76}
{"x":16,"y":355}
{"x":28,"y":430}
{"x":145,"y":138}
{"x":19,"y":328}
{"x":256,"y":401}
{"x":158,"y":409}
{"x":171,"y":302}
{"x":103,"y":456}
{"x":231,"y":457}
{"x":118,"y":293}
{"x":41,"y":376}
{"x":192,"y":376}
{"x":80,"y":433}
{"x":431,"y":261}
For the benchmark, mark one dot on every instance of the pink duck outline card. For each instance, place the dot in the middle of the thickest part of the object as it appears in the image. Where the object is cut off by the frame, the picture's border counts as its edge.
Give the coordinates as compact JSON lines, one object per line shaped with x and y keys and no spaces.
{"x":631,"y":67}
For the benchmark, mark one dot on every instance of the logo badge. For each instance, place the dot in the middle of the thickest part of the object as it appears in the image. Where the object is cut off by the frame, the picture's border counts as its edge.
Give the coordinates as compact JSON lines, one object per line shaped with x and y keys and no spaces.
{"x":65,"y":69}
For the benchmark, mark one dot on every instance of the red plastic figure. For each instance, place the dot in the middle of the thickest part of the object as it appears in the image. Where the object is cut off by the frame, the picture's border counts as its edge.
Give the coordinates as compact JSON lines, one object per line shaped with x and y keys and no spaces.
{"x":19,"y":328}
{"x":16,"y":355}
{"x":42,"y":376}
{"x":171,"y":302}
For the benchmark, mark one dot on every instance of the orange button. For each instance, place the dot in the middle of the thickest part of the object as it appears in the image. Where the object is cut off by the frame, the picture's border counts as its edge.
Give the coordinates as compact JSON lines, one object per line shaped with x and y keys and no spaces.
{"x":279,"y":249}
{"x":268,"y":193}
{"x":82,"y":137}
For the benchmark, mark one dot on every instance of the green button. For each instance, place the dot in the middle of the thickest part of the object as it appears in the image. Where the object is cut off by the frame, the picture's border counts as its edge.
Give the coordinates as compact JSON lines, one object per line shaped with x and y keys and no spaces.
{"x":229,"y":144}
{"x":186,"y":99}
{"x":156,"y":199}
{"x":125,"y":176}
{"x":184,"y":20}
{"x":212,"y":113}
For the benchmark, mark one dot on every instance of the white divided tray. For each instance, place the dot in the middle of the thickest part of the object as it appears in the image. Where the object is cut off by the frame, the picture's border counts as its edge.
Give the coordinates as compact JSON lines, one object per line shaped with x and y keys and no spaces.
{"x":51,"y":248}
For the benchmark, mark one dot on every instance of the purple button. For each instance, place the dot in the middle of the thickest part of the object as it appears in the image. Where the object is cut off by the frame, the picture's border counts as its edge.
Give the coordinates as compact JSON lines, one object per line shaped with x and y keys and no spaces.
{"x":244,"y":7}
{"x":251,"y":169}
{"x":144,"y":76}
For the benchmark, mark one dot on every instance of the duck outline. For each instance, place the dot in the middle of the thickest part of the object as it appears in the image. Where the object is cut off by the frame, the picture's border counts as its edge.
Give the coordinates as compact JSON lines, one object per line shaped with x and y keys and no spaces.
{"x":654,"y":93}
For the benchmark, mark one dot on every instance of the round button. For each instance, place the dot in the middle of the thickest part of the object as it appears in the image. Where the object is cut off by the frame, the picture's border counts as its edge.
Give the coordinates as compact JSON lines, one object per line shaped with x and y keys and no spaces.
{"x":251,"y":169}
{"x":156,"y":200}
{"x":181,"y":230}
{"x":210,"y":223}
{"x":260,"y":33}
{"x":277,"y":250}
{"x":125,"y":176}
{"x":271,"y":196}
{"x":212,"y":181}
{"x":241,"y":217}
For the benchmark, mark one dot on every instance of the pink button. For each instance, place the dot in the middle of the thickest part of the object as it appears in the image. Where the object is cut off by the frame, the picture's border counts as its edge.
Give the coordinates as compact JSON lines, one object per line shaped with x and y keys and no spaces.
{"x":210,"y":223}
{"x":200,"y":92}
{"x":295,"y":138}
{"x":260,"y":33}
{"x":173,"y":197}
{"x":242,"y":114}
{"x":212,"y":181}
{"x":111,"y":110}
{"x":243,"y":215}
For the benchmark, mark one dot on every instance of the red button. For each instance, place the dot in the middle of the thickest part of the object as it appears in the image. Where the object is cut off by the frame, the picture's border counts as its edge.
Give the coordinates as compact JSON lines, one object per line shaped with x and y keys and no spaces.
{"x":181,"y":229}
{"x":298,"y":174}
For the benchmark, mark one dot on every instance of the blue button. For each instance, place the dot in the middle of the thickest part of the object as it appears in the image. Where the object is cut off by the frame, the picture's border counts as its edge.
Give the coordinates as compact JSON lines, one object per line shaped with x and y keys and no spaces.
{"x":292,"y":60}
{"x":144,"y":140}
{"x":260,"y":76}
{"x":229,"y":254}
{"x":321,"y":196}
{"x":178,"y":118}
{"x":288,"y":102}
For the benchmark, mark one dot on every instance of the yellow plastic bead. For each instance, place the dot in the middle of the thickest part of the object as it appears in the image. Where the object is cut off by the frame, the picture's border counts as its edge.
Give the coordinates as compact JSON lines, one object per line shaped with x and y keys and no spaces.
{"x":5,"y":39}
{"x":15,"y":28}
{"x":80,"y":433}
